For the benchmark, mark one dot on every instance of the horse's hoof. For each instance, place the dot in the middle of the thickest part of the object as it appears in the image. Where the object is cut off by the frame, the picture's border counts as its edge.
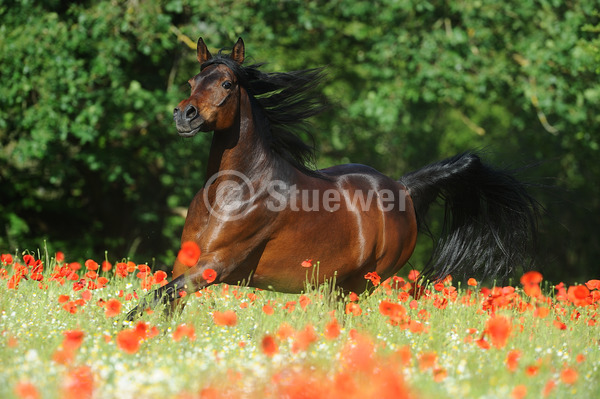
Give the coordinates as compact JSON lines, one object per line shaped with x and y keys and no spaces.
{"x":133,"y":314}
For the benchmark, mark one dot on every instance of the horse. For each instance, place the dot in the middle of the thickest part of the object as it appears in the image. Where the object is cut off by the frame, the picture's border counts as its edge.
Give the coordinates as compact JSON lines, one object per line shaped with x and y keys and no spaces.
{"x":266,"y":216}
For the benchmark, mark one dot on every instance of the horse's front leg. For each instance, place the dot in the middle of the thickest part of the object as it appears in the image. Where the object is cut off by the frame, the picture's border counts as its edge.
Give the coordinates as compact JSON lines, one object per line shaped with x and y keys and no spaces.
{"x":163,"y":295}
{"x":189,"y":282}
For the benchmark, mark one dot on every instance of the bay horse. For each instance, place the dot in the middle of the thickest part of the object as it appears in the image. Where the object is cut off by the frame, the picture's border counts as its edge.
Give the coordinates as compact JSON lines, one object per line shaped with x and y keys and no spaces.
{"x":265,"y":215}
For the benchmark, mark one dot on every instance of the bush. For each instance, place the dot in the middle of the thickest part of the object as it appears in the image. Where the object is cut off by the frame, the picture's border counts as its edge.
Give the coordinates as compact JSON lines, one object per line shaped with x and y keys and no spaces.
{"x":90,"y":159}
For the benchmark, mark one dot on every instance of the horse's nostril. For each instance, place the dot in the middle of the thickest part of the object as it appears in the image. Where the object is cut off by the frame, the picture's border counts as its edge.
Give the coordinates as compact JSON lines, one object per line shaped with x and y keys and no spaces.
{"x":190,"y":112}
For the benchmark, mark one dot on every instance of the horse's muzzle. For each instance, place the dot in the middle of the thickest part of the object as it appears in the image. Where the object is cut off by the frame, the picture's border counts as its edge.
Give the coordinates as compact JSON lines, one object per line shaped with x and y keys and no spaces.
{"x":189,"y":122}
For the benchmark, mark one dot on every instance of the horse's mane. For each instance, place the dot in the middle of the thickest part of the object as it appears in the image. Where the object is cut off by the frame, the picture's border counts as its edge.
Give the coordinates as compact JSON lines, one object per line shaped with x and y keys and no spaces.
{"x":286,"y":100}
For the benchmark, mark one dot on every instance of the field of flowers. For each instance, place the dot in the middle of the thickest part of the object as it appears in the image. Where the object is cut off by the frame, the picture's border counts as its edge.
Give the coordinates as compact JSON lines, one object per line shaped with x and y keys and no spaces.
{"x":63,"y":335}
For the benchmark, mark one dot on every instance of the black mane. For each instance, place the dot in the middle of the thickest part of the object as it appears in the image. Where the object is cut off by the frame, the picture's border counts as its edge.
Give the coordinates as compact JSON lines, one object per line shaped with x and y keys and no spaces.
{"x":286,"y":100}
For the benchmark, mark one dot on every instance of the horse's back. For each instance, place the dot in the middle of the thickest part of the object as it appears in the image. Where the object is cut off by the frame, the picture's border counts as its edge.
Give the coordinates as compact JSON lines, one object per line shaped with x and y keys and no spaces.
{"x":350,"y":168}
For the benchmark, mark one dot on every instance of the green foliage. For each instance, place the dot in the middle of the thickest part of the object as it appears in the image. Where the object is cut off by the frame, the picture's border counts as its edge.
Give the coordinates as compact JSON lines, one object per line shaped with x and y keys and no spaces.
{"x":89,"y":155}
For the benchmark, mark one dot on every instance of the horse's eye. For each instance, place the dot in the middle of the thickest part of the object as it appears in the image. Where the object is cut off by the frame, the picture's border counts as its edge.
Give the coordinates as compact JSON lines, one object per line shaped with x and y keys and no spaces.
{"x":226,"y":85}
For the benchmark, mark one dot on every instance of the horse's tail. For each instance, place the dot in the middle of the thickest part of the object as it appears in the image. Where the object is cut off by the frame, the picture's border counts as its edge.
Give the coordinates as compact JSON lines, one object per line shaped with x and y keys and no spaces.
{"x":490,"y":222}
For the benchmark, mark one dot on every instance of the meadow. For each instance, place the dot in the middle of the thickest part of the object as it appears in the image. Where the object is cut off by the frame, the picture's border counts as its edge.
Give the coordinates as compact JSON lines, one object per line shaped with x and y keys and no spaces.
{"x":63,"y":334}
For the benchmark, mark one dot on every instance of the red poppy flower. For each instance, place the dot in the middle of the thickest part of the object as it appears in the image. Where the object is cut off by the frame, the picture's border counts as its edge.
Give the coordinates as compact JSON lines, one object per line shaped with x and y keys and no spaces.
{"x":533,"y":290}
{"x":268,"y":309}
{"x":153,"y":332}
{"x":532,"y":370}
{"x":189,"y":253}
{"x":304,"y":338}
{"x":482,"y":343}
{"x":531,"y":283}
{"x":209,"y":275}
{"x":306,"y":263}
{"x":106,"y":266}
{"x":121,"y":269}
{"x":269,"y":346}
{"x":498,"y":329}
{"x":141,"y":328}
{"x":373,"y":277}
{"x":304,"y":301}
{"x":578,"y":295}
{"x":404,"y":355}
{"x":285,"y":331}
{"x":439,"y":374}
{"x":159,"y":276}
{"x":91,"y":265}
{"x":183,"y":330}
{"x":413,"y":275}
{"x":143,"y":276}
{"x":29,"y":260}
{"x":26,"y":390}
{"x":472,"y":282}
{"x":6,"y":259}
{"x":226,"y":318}
{"x":102,"y":281}
{"x":519,"y":392}
{"x":86,"y":295}
{"x":416,"y":327}
{"x":440,"y":302}
{"x":92,"y":275}
{"x":70,"y":307}
{"x":541,"y":312}
{"x":128,"y":341}
{"x":531,"y":277}
{"x":593,"y":284}
{"x":569,"y":376}
{"x":359,"y":355}
{"x":403,"y":296}
{"x":60,"y":257}
{"x":391,"y":309}
{"x":12,"y":341}
{"x":427,"y":360}
{"x":559,"y":324}
{"x":332,"y":329}
{"x":79,"y":384}
{"x":63,"y":356}
{"x":512,"y":359}
{"x":131,"y":267}
{"x":144,"y":269}
{"x":548,"y":388}
{"x":112,"y":307}
{"x":353,"y":308}
{"x":74,"y":266}
{"x":423,"y":314}
{"x":73,"y":339}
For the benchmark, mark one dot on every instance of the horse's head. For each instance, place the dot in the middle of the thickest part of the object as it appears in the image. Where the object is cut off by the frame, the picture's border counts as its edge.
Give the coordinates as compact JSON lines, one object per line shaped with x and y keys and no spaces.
{"x":213,"y":103}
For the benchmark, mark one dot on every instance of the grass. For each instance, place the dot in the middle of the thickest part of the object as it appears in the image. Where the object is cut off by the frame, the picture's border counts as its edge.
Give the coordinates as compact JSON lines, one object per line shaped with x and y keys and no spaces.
{"x":451,"y":341}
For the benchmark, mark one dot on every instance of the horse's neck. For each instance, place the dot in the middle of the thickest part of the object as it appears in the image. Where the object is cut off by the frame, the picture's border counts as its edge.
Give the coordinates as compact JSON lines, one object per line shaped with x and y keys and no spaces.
{"x":240,"y":148}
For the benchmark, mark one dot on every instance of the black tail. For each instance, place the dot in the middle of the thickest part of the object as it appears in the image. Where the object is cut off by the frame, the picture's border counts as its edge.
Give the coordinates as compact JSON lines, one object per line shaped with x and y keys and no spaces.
{"x":490,"y":222}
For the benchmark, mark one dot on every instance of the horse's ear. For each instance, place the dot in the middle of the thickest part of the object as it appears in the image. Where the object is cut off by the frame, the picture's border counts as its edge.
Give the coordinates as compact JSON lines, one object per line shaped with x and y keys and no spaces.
{"x":202,"y":52}
{"x":237,"y":54}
